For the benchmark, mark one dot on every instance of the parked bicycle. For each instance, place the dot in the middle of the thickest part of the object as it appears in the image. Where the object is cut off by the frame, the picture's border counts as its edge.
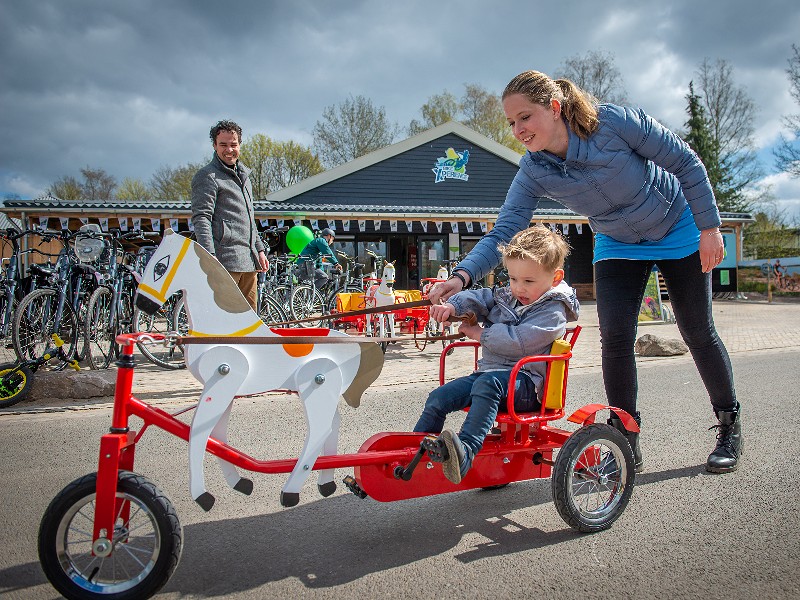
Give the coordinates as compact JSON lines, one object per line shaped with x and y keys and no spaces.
{"x":109,"y":312}
{"x":55,"y":307}
{"x":12,"y":289}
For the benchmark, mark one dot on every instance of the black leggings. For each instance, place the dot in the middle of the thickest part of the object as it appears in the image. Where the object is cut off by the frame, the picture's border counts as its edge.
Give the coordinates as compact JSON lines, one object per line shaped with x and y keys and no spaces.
{"x":620,"y":288}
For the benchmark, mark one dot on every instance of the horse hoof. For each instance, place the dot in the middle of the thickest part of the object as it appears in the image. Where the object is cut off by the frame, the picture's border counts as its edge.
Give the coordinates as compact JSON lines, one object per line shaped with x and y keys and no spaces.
{"x":244,"y":486}
{"x":205,"y":500}
{"x":326,"y":489}
{"x":289,"y":499}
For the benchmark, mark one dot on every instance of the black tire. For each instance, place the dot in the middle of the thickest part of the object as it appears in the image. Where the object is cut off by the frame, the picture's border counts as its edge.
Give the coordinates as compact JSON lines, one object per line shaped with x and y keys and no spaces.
{"x":15,"y":384}
{"x":98,"y":330}
{"x":34,"y":324}
{"x":7,"y":352}
{"x":307,"y":301}
{"x":590,"y":491}
{"x":153,"y":531}
{"x":271,"y":311}
{"x":165,"y":319}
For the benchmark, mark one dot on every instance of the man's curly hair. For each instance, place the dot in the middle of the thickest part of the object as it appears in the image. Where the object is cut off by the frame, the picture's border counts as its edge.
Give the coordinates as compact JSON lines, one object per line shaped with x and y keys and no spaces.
{"x":230,"y":126}
{"x":539,"y":244}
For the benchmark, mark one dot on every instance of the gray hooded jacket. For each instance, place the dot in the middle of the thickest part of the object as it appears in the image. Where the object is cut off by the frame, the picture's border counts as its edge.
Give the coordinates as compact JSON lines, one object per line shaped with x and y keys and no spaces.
{"x":513,"y":331}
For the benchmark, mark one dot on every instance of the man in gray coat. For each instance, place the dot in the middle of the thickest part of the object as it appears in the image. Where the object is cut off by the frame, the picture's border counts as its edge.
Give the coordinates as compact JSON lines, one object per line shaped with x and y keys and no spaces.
{"x":222,"y":211}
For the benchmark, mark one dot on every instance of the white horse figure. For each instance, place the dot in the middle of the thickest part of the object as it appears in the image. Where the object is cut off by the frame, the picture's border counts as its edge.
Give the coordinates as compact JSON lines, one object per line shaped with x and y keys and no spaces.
{"x":442,"y":273}
{"x":382,"y":295}
{"x":320,"y":373}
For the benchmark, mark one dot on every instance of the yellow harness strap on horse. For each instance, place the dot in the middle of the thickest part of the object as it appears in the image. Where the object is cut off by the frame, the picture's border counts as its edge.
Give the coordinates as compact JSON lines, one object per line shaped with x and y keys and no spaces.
{"x":554,"y":399}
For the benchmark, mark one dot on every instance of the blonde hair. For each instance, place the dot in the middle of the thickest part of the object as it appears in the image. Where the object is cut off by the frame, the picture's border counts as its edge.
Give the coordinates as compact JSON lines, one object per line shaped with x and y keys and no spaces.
{"x":539,"y":244}
{"x":578,"y":106}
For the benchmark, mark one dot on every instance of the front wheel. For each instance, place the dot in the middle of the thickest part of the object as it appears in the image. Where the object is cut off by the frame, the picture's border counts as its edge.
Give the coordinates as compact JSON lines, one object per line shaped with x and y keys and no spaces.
{"x":171,"y":316}
{"x":146,"y":541}
{"x":593,"y":478}
{"x":15,"y":384}
{"x":100,"y":332}
{"x":35,"y":322}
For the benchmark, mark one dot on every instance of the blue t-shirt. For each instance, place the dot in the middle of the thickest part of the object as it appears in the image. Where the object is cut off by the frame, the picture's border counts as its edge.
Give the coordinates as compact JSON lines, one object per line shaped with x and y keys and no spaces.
{"x":681,"y":241}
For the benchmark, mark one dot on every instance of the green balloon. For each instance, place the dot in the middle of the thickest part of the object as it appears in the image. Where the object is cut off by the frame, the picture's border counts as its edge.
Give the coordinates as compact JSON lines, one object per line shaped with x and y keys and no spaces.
{"x":298,"y":238}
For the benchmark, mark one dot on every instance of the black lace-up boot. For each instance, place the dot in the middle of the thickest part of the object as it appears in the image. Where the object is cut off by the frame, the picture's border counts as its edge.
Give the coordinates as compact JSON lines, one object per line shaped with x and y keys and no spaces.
{"x":633,"y":440}
{"x":730,"y":444}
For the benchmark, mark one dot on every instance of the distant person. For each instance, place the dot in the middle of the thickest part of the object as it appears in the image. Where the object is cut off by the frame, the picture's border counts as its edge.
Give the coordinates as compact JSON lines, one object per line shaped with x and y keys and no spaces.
{"x":514,"y":321}
{"x":649,"y":201}
{"x":779,"y":272}
{"x":222,"y":211}
{"x":318,"y":249}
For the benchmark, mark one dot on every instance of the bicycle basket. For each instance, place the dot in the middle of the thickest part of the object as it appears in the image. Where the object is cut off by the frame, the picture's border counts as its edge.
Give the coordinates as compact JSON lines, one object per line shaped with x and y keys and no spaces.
{"x":89,"y":249}
{"x":305,"y":269}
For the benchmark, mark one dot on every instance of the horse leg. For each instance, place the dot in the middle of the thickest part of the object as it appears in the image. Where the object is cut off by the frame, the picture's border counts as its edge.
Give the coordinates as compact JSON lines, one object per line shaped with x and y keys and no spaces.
{"x":319,"y":383}
{"x":325,"y":483}
{"x":220,"y":432}
{"x":223,"y":369}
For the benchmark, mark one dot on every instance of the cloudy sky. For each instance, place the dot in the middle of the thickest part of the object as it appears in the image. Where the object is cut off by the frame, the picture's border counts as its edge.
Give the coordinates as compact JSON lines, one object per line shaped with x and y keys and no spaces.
{"x":133,"y":85}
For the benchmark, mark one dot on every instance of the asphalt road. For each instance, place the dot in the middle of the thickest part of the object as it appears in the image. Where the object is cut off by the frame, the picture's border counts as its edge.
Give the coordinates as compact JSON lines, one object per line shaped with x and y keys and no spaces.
{"x":685,"y":534}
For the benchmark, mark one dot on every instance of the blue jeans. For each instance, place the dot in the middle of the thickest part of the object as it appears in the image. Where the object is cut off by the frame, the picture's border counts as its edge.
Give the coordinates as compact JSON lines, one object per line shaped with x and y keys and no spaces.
{"x":483,"y":393}
{"x":620,"y":286}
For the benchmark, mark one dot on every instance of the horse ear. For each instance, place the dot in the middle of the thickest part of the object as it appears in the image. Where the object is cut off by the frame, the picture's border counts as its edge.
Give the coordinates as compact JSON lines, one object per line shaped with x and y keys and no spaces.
{"x":392,"y":263}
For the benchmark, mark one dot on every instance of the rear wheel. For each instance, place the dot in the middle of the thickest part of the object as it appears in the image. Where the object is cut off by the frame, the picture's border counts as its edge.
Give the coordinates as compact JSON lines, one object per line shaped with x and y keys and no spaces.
{"x":99,"y":330}
{"x":146,"y":541}
{"x":593,"y":477}
{"x":271,"y":311}
{"x":306,"y":302}
{"x":7,"y":353}
{"x":170,"y":317}
{"x":34,"y":325}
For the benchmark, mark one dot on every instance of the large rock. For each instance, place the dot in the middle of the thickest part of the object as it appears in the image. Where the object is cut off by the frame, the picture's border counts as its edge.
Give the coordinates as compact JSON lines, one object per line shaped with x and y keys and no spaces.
{"x":652,"y":345}
{"x":72,"y":385}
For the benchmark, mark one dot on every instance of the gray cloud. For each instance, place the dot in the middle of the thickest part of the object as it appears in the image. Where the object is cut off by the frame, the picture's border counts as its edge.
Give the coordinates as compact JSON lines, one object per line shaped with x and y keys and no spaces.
{"x":132,"y":86}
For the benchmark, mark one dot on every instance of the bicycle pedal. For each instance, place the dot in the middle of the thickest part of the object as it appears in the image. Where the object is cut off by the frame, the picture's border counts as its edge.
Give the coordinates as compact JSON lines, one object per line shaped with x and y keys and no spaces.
{"x":436,"y":449}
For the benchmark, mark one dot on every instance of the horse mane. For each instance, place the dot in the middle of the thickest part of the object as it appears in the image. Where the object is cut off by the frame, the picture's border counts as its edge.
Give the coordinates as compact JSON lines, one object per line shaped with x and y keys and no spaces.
{"x":226,"y":293}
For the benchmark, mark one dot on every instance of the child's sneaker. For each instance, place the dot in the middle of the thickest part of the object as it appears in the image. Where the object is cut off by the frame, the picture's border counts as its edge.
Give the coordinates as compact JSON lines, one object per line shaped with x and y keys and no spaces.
{"x":457,"y":463}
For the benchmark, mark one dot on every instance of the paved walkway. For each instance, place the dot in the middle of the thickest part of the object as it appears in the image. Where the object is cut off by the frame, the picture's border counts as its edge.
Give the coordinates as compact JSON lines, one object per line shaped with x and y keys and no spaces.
{"x":744,"y":326}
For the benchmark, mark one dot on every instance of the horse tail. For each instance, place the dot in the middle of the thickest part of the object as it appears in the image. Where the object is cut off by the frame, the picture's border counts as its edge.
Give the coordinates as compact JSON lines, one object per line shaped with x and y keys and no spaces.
{"x":369,"y":367}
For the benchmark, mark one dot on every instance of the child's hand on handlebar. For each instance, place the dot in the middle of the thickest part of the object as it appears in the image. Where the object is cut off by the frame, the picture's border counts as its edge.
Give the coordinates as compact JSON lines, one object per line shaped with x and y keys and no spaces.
{"x":442,"y":312}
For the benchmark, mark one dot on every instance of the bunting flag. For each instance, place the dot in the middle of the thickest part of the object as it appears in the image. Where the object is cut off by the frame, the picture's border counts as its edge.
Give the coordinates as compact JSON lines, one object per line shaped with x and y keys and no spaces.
{"x":155,"y":224}
{"x":426,"y":225}
{"x":410,"y":226}
{"x":393,"y":226}
{"x":173,"y":224}
{"x":579,"y":227}
{"x":264,"y":222}
{"x":565,"y":228}
{"x":64,"y":222}
{"x":484,"y":227}
{"x":104,"y":223}
{"x":470,"y":225}
{"x":454,"y":226}
{"x":361,"y":225}
{"x":43,"y":222}
{"x":332,"y":225}
{"x":84,"y":221}
{"x":191,"y":225}
{"x":376,"y":224}
{"x":314,"y":224}
{"x":346,"y":224}
{"x":280,"y":222}
{"x":123,"y":223}
{"x":137,"y":224}
{"x":438,"y":226}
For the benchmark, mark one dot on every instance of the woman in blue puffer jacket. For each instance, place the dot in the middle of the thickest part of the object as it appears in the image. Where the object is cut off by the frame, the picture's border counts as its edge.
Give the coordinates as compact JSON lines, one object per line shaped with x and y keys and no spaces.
{"x":649,"y":201}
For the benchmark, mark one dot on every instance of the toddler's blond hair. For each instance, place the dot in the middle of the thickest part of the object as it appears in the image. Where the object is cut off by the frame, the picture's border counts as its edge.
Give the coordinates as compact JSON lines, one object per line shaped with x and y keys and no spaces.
{"x":539,"y":244}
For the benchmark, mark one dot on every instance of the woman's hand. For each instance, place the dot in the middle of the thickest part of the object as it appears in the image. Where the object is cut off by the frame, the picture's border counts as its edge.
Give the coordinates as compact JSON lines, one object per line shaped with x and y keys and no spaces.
{"x":712,"y":249}
{"x":444,"y":289}
{"x":442,"y":312}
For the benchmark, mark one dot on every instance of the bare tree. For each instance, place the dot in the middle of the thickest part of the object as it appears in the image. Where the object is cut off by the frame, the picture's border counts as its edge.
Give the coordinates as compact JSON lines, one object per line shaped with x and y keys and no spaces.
{"x":596,"y":73}
{"x":731,"y":113}
{"x":97,"y":184}
{"x":170,"y":183}
{"x":293,"y":162}
{"x":256,"y":153}
{"x":787,"y":153}
{"x":66,"y":188}
{"x":353,"y":128}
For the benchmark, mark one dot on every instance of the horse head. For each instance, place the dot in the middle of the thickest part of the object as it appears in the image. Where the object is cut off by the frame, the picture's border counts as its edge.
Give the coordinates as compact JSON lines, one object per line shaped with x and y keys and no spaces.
{"x":442,"y":273}
{"x":158,"y":281}
{"x":388,"y":275}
